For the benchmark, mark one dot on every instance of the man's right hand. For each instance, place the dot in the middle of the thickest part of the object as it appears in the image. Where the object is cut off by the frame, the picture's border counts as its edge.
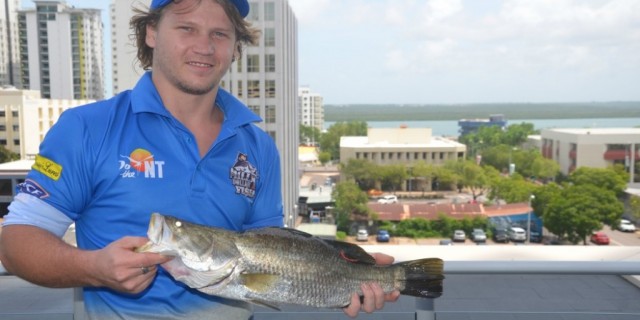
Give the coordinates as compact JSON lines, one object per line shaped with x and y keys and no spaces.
{"x":119,"y":267}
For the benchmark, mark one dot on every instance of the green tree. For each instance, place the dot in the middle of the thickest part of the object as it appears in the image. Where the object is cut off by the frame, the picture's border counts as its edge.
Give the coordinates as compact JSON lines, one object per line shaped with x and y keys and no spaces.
{"x":471,"y":176}
{"x":362,"y":171}
{"x":330,"y":140}
{"x":350,"y":200}
{"x":511,"y":189}
{"x":309,"y":134}
{"x":393,"y":176}
{"x":580,"y":210}
{"x":606,"y":178}
{"x":8,"y":156}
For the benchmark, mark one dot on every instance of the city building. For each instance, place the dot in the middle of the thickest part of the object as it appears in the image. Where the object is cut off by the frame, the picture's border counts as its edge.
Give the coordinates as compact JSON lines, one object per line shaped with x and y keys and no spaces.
{"x":265,"y":78}
{"x":472,"y":125}
{"x":592,"y":147}
{"x":9,"y":44}
{"x":61,"y":51}
{"x":406,"y":146}
{"x":25,"y":118}
{"x":311,"y":109}
{"x":126,"y":69}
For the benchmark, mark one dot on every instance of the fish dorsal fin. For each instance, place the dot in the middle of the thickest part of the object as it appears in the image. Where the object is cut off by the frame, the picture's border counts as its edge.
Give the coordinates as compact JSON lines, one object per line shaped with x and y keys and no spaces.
{"x":259,"y":282}
{"x":279,"y":231}
{"x":351,"y":252}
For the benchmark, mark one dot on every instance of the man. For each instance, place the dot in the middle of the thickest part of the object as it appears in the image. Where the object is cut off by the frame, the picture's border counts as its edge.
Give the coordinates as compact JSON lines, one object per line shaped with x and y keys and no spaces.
{"x":170,"y":145}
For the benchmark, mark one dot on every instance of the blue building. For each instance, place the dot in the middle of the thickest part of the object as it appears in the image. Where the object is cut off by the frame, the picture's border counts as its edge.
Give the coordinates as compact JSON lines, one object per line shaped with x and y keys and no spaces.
{"x":472,"y":125}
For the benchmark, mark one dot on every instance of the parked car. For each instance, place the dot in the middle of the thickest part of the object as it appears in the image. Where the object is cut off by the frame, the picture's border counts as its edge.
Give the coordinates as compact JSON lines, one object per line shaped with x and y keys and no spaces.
{"x":478,"y":235}
{"x":535,"y":237}
{"x":517,"y":234}
{"x":600,"y":237}
{"x":383,"y":236}
{"x":500,"y":235}
{"x":388,"y":199}
{"x":459,"y":235}
{"x":446,"y":242}
{"x":362,"y":235}
{"x":626,"y":226}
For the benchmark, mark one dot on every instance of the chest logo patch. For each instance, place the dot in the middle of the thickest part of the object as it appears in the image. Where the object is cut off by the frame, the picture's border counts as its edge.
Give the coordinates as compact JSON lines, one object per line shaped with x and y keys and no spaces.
{"x":141,"y":161}
{"x":244,"y":175}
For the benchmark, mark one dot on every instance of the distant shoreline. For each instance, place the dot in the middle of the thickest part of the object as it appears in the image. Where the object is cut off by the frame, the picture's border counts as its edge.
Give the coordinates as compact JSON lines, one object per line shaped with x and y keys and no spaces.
{"x":390,"y":112}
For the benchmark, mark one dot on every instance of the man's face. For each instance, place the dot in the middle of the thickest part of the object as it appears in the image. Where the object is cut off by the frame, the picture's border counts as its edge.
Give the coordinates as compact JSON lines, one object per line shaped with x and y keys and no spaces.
{"x":194,"y":45}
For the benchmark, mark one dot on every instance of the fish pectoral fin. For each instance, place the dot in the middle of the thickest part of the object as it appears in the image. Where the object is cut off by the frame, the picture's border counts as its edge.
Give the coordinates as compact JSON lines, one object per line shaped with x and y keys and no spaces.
{"x":265,"y":304}
{"x":259,"y":282}
{"x":351,"y":252}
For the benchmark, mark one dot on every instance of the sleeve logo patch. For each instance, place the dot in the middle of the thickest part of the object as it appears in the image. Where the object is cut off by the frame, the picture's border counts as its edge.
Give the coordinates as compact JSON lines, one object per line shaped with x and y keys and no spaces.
{"x":47,"y":167}
{"x":33,"y":188}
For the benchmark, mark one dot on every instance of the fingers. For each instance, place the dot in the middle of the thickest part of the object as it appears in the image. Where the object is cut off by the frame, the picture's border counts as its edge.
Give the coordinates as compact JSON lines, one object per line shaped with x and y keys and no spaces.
{"x":382,"y":259}
{"x":373,"y":298}
{"x":354,"y":307}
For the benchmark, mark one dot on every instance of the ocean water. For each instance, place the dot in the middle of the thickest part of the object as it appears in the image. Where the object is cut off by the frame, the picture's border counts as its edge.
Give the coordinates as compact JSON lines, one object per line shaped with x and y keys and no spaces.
{"x":450,"y":127}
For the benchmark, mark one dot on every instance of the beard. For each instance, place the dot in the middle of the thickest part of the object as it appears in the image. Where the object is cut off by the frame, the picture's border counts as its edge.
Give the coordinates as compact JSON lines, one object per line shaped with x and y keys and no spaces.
{"x":192,"y":89}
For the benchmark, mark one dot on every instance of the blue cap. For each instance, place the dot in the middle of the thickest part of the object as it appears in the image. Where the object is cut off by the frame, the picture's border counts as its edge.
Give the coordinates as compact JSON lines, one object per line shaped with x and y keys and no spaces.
{"x":242,"y":5}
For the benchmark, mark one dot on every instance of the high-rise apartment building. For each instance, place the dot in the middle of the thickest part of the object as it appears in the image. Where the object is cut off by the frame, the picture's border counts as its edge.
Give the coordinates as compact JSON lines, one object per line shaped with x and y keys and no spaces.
{"x":61,"y":51}
{"x":9,"y":49}
{"x":265,"y":78}
{"x":311,"y":108}
{"x":126,"y":68}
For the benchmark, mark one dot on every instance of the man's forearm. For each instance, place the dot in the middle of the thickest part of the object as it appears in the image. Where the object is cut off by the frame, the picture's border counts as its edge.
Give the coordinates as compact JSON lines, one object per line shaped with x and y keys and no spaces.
{"x":38,"y":256}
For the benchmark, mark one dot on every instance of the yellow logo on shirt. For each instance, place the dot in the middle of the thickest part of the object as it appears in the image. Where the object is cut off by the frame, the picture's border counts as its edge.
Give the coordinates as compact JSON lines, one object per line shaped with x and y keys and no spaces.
{"x":47,"y":167}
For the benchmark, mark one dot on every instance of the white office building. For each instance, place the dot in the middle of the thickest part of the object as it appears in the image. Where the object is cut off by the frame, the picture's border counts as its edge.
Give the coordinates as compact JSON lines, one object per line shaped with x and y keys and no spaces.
{"x":9,"y":44}
{"x":311,"y":108}
{"x":402,"y":146}
{"x":61,"y":51}
{"x":265,"y":78}
{"x":25,"y":118}
{"x":594,"y":147}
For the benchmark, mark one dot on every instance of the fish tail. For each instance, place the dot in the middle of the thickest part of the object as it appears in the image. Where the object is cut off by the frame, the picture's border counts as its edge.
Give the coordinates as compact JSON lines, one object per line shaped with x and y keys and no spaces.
{"x":423,"y":277}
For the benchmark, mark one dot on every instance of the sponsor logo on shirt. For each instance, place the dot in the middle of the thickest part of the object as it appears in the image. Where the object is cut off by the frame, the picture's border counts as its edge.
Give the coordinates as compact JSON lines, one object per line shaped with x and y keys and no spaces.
{"x":47,"y":167}
{"x":244,"y":175}
{"x":141,"y":161}
{"x":33,"y":188}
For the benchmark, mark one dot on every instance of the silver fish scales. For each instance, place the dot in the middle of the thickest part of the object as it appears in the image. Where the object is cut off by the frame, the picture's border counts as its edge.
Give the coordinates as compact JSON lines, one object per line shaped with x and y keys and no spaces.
{"x":275,"y":266}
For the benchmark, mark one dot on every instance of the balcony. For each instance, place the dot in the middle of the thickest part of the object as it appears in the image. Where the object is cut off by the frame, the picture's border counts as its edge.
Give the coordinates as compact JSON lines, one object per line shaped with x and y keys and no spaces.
{"x":619,"y":155}
{"x":483,"y":282}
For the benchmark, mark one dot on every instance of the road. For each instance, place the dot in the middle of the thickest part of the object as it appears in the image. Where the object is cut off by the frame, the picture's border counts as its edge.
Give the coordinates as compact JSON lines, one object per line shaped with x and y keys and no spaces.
{"x":619,"y":238}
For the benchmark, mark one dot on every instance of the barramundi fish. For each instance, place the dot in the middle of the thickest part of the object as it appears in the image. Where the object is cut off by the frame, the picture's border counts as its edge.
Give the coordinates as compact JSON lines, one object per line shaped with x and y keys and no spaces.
{"x":276,"y":266}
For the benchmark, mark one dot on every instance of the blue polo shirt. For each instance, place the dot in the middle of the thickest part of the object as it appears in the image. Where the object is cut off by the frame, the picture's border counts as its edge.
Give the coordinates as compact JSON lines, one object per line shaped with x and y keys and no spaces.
{"x":108,"y":165}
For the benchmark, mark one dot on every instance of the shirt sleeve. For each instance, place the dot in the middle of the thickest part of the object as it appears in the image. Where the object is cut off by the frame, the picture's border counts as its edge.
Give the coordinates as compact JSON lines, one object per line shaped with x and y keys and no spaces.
{"x":26,"y":209}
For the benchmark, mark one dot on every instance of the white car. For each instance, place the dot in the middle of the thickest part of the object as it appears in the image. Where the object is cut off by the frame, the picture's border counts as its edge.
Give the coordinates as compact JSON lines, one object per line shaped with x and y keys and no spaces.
{"x":626,"y":226}
{"x":517,"y":234}
{"x":362,"y":235}
{"x":388,"y":199}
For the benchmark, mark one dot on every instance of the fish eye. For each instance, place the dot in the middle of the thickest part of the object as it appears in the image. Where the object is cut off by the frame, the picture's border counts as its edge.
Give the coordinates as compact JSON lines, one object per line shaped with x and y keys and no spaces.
{"x":178,"y":224}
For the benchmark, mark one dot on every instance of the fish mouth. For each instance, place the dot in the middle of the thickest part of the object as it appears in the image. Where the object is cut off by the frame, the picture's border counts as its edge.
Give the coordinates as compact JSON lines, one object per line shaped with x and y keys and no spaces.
{"x":157,"y":232}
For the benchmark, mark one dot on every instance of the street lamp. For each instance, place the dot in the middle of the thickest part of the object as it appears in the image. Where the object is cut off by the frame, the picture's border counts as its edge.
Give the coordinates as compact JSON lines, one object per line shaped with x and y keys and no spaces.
{"x":529,"y":219}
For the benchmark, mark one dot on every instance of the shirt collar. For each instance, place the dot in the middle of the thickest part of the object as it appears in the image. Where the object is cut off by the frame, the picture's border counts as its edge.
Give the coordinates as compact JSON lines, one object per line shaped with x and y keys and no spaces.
{"x":145,"y":98}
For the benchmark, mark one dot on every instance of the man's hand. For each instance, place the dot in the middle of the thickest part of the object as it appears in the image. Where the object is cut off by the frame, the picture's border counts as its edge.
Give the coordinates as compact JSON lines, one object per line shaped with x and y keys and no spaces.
{"x":119,"y":267}
{"x":373,"y":295}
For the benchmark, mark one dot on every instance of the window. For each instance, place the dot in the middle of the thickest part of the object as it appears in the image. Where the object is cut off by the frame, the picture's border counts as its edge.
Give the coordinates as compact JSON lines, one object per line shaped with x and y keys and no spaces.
{"x":253,"y":89}
{"x":255,"y":109}
{"x":270,"y":114}
{"x":254,"y":11}
{"x":269,"y":11}
{"x":270,"y":88}
{"x":253,"y":63}
{"x":239,"y":92}
{"x":270,"y":63}
{"x":239,"y":63}
{"x":269,"y":37}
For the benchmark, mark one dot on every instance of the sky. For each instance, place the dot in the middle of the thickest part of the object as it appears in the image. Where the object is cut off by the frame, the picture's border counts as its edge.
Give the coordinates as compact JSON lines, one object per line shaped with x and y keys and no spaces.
{"x":464,"y":51}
